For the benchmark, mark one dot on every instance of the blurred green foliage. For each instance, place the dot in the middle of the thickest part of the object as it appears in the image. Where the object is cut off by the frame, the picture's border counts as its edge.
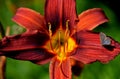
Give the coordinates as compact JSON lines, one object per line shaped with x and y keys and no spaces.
{"x":16,"y":69}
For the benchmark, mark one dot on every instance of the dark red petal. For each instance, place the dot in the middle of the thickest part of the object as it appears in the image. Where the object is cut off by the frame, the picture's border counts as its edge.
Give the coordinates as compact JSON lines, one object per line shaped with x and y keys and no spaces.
{"x":37,"y":56}
{"x":29,"y":19}
{"x":69,"y":13}
{"x":77,"y":67}
{"x":52,"y":13}
{"x":91,"y":18}
{"x":28,"y":40}
{"x":57,"y":12}
{"x":60,"y":70}
{"x":90,"y":48}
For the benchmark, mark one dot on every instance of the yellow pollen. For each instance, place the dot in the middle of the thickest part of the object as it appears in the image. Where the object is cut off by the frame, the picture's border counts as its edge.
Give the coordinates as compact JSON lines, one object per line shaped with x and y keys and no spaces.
{"x":60,"y":43}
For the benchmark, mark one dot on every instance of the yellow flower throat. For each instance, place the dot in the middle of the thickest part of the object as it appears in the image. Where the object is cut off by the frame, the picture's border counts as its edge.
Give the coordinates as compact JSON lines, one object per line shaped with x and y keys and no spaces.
{"x":60,"y":43}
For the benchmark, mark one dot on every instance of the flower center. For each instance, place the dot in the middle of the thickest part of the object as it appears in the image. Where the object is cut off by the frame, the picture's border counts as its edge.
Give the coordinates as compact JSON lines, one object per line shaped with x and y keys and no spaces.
{"x":60,"y":43}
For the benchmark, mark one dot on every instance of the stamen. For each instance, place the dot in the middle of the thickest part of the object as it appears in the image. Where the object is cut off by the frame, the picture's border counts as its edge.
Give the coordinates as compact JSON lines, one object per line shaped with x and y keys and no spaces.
{"x":67,"y":33}
{"x":50,"y":35}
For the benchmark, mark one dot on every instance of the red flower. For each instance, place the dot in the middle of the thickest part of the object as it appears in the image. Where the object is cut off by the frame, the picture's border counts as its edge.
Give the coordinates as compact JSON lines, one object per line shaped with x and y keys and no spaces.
{"x":60,"y":37}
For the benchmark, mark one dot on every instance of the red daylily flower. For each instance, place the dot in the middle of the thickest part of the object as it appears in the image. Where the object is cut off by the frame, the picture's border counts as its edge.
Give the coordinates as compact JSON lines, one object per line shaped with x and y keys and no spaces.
{"x":60,"y":37}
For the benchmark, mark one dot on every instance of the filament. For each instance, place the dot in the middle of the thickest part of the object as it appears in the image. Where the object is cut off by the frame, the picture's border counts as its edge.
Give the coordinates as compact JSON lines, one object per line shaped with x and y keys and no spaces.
{"x":59,"y":41}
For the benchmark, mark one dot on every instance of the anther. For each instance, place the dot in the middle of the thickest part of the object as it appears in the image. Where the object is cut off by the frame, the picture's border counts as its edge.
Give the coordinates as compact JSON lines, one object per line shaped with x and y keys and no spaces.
{"x":49,"y":25}
{"x":67,"y":23}
{"x":67,"y":29}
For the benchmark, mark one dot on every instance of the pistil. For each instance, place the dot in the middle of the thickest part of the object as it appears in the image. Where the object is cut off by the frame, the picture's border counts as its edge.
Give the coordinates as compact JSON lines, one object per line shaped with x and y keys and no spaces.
{"x":59,"y":42}
{"x":63,"y":48}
